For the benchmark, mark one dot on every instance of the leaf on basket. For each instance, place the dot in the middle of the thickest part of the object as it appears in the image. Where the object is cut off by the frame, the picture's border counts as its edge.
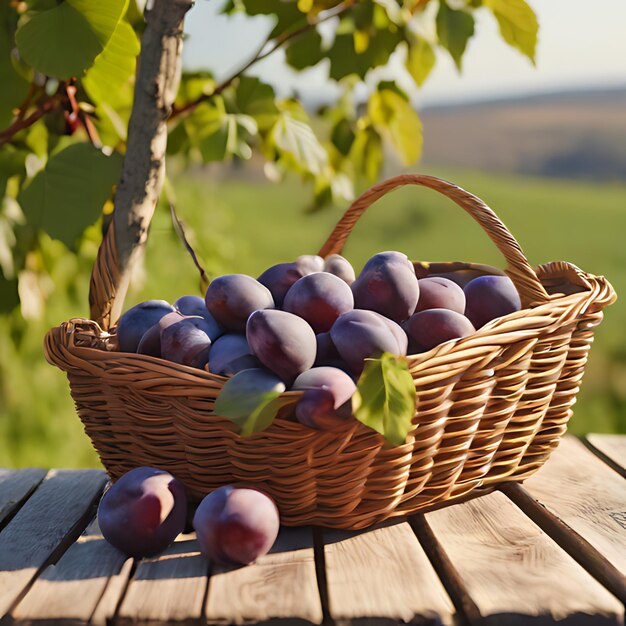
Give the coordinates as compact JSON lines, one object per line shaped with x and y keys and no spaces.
{"x":384,"y":399}
{"x":253,"y":410}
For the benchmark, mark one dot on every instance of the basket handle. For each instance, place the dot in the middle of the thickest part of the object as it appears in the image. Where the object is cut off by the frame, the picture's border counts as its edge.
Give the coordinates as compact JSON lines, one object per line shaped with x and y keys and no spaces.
{"x":521,"y":273}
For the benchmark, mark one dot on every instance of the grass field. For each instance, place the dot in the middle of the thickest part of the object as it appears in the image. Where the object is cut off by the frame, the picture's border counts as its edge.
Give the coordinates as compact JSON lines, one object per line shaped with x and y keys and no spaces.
{"x":244,"y":226}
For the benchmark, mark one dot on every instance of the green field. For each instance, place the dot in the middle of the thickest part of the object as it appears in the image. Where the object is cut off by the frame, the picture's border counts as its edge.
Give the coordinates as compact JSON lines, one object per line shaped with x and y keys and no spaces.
{"x":240,"y":225}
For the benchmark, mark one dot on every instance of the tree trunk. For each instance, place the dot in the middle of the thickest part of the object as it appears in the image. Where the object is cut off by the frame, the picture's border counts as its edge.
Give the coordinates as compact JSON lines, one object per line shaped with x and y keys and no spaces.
{"x":158,"y":75}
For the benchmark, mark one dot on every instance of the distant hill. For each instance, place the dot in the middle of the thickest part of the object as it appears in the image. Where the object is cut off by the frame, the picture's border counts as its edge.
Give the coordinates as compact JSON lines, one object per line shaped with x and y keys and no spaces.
{"x":566,"y":135}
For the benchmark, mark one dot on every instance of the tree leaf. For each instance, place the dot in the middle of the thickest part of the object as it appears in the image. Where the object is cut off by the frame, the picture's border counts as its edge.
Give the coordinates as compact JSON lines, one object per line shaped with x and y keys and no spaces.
{"x":420,"y":60}
{"x":251,"y":400}
{"x":345,"y":60}
{"x":296,"y":140}
{"x":384,"y":399}
{"x":367,"y":152}
{"x":256,"y":99}
{"x":393,"y":116}
{"x":68,"y":194}
{"x":454,"y":29}
{"x":518,"y":24}
{"x":65,"y":40}
{"x":305,"y":51}
{"x":14,"y":87}
{"x":110,"y":78}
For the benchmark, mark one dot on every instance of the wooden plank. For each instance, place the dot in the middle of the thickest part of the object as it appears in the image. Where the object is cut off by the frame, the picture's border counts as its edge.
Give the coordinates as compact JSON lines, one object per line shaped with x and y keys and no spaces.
{"x":168,"y":588}
{"x":281,"y":584}
{"x":599,"y":567}
{"x":49,"y":521}
{"x":15,"y":487}
{"x":72,"y":589}
{"x":586,"y":495}
{"x":611,"y":449}
{"x":112,"y":596}
{"x":383,"y":574}
{"x":513,"y":572}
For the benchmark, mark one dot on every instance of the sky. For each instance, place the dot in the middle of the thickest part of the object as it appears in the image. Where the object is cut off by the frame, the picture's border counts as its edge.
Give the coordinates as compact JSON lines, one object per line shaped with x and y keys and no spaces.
{"x":581,"y":44}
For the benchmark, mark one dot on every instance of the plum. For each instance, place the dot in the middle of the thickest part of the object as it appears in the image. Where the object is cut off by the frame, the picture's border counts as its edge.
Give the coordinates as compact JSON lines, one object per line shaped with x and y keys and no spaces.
{"x":440,"y":293}
{"x":489,"y":297}
{"x":150,"y":343}
{"x":279,"y":278}
{"x":137,"y":321}
{"x":360,"y":334}
{"x":185,"y":343}
{"x":232,"y":298}
{"x":310,"y":263}
{"x":195,"y":306}
{"x":429,"y":328}
{"x":325,"y":402}
{"x":319,"y":298}
{"x":387,"y":284}
{"x":340,"y":266}
{"x":326,"y":353}
{"x":283,"y":342}
{"x":231,"y":354}
{"x":236,"y":525}
{"x":143,"y":512}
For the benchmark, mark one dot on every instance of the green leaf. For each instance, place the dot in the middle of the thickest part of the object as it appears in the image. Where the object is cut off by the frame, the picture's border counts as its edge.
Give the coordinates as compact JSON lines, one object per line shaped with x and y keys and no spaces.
{"x":251,"y":399}
{"x":68,"y":194}
{"x":420,"y":60}
{"x":305,"y":51}
{"x":9,"y":296}
{"x":393,"y":116}
{"x":518,"y":24}
{"x":342,"y":136}
{"x":345,"y":60}
{"x":454,"y":29}
{"x":367,"y":153}
{"x":110,"y":77}
{"x":384,"y":399}
{"x":296,"y":140}
{"x":65,"y":40}
{"x":14,"y":86}
{"x":256,"y":99}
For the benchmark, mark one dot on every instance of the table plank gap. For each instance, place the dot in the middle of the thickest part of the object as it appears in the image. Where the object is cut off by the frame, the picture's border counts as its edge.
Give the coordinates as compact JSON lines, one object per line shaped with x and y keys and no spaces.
{"x":467,"y":611}
{"x":320,"y":573}
{"x":71,"y":590}
{"x":107,"y":608}
{"x":383,"y":574}
{"x":575,"y":545}
{"x":48,"y":523}
{"x":514,"y":572}
{"x":281,"y":585}
{"x":610,"y":448}
{"x":168,"y":588}
{"x":587,"y":496}
{"x":16,"y":486}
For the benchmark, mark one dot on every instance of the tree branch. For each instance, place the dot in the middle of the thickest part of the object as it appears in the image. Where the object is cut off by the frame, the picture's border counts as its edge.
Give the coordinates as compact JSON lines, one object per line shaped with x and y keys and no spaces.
{"x":143,"y":171}
{"x":260,"y":55}
{"x":22,"y":121}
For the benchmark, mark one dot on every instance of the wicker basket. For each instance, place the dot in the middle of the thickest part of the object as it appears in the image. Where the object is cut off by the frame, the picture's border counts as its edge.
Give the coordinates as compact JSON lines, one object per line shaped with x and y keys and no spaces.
{"x":490,"y":407}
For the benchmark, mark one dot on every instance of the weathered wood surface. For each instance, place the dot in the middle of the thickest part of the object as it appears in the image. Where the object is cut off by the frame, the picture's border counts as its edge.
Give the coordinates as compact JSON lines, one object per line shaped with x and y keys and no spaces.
{"x":167,"y":588}
{"x":549,"y":551}
{"x":72,"y":588}
{"x":15,"y":487}
{"x":611,"y":449}
{"x":280,"y":585}
{"x":50,"y":519}
{"x":587,"y":495}
{"x":383,"y":573}
{"x":514,"y":572}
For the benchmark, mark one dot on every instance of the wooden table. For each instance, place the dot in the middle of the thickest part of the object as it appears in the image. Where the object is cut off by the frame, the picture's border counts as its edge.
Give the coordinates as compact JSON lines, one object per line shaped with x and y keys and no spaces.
{"x":552,"y":551}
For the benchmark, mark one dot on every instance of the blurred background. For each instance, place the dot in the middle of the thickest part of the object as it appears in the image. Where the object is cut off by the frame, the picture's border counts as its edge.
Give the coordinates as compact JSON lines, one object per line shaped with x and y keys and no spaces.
{"x":544,"y":145}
